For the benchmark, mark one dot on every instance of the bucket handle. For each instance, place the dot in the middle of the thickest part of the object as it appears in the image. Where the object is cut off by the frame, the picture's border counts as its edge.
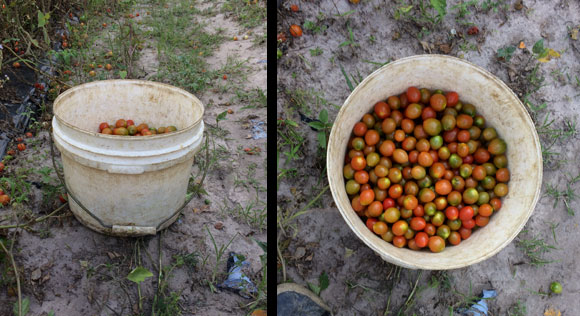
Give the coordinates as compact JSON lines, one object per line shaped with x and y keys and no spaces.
{"x":116,"y":228}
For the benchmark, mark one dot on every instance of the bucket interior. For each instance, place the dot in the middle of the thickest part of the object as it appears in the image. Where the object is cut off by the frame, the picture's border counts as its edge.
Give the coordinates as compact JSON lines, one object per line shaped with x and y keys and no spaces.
{"x":155,"y":104}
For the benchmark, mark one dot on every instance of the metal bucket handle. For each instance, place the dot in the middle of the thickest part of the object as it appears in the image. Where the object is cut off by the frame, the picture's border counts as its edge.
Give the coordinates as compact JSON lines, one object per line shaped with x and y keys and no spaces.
{"x":130,"y":230}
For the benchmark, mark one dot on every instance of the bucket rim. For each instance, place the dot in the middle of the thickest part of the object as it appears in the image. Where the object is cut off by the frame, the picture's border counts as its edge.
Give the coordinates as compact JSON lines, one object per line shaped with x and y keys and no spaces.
{"x":66,"y":93}
{"x":371,"y":244}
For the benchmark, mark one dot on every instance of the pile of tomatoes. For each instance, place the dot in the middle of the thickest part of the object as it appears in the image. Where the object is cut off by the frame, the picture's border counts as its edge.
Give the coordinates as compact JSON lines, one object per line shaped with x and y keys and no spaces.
{"x":128,"y":128}
{"x":424,"y":170}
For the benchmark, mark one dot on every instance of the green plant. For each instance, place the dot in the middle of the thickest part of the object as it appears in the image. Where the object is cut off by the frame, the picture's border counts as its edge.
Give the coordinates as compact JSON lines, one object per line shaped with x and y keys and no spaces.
{"x":322,"y":284}
{"x":518,"y":309}
{"x":463,"y":11}
{"x":323,"y":127}
{"x":487,"y":5}
{"x":566,"y":196}
{"x":427,"y":16}
{"x":506,"y":53}
{"x":350,"y":41}
{"x":248,"y":13}
{"x":535,"y":248}
{"x":138,"y":275}
{"x":261,"y":298}
{"x":219,"y":253}
{"x":351,"y":79}
{"x":316,"y":52}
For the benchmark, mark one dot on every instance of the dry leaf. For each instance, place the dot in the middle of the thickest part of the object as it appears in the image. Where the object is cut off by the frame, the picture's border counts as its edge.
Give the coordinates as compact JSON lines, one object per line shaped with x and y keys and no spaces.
{"x":36,"y":274}
{"x":574,"y":33}
{"x":445,"y":48}
{"x":259,"y":312}
{"x":45,"y":278}
{"x":552,"y":312}
{"x":347,"y":252}
{"x":300,"y":252}
{"x":551,"y":54}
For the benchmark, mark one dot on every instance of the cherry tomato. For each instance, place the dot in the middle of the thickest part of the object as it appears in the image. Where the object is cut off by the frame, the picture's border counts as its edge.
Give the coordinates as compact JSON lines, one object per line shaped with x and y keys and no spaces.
{"x":436,"y":244}
{"x":413,"y":95}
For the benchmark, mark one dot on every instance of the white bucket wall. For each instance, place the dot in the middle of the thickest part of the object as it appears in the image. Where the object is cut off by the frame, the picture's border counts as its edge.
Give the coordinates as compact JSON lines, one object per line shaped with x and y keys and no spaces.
{"x":501,"y":108}
{"x":133,"y":183}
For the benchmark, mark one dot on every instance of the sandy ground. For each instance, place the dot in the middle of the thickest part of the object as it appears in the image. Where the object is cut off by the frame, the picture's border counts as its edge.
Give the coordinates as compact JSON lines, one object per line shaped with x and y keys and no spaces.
{"x":84,"y":273}
{"x":360,"y":282}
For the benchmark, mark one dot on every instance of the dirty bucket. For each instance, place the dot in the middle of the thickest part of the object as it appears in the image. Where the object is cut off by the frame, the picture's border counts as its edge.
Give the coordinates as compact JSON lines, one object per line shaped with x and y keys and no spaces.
{"x":120,"y":185}
{"x":501,"y":108}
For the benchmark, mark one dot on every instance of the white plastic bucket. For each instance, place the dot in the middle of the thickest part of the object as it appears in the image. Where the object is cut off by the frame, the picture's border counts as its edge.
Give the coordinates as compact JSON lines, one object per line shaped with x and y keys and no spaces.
{"x":132,"y":185}
{"x":501,"y":108}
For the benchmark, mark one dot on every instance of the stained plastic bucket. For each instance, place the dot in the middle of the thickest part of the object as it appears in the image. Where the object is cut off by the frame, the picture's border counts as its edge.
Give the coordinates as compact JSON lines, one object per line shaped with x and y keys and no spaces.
{"x":127,"y":186}
{"x":501,"y":108}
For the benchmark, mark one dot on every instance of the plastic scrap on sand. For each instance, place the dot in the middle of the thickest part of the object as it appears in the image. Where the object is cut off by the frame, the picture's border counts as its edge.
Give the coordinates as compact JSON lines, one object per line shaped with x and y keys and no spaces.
{"x":258,"y":131}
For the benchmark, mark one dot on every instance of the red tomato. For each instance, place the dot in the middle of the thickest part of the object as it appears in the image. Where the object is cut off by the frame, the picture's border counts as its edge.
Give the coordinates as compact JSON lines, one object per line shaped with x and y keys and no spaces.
{"x":466,"y":213}
{"x":102,"y":126}
{"x":295,"y":30}
{"x":418,"y":223}
{"x":421,"y":239}
{"x":371,"y":222}
{"x":413,"y":95}
{"x":452,"y":98}
{"x":452,"y":213}
{"x":388,"y":202}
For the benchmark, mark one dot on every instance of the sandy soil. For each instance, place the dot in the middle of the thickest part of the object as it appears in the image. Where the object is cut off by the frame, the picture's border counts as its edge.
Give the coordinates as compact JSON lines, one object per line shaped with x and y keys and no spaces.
{"x":84,"y":273}
{"x":360,"y":282}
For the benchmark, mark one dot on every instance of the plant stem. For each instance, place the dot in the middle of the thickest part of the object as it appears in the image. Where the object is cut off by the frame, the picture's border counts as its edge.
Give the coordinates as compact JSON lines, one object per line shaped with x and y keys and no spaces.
{"x":9,"y":254}
{"x":37,"y":220}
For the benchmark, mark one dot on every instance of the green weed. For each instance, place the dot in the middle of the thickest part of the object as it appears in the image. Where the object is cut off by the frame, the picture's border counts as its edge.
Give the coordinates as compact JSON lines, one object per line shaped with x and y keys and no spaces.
{"x":219,"y":254}
{"x":566,"y":196}
{"x":249,"y":13}
{"x":518,"y":309}
{"x":323,"y":126}
{"x":535,"y":248}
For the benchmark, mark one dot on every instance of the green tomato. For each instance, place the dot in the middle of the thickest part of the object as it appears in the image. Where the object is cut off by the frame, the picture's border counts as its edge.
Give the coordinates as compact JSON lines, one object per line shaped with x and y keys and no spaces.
{"x":556,"y":287}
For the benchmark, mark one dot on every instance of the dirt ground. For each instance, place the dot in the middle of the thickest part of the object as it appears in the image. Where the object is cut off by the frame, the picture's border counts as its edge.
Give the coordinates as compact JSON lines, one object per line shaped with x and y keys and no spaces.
{"x":360,"y":283}
{"x":68,"y":269}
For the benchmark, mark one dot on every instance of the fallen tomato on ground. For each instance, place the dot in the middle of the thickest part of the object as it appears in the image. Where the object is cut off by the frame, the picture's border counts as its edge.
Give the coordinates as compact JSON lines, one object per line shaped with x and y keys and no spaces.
{"x":295,"y":30}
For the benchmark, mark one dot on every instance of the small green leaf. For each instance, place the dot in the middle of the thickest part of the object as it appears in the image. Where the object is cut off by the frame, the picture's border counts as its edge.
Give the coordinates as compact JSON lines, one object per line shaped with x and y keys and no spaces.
{"x":41,"y":19}
{"x":538,"y":48}
{"x":323,"y":281}
{"x":314,"y":288}
{"x":323,"y":116}
{"x":346,"y":13}
{"x":122,"y":74}
{"x":291,"y":123}
{"x":221,"y":116}
{"x":406,"y":9}
{"x":25,"y":307}
{"x":46,"y":38}
{"x":309,"y":25}
{"x":322,"y":139}
{"x":139,"y":275}
{"x":262,"y":245}
{"x":316,"y":125}
{"x":51,"y":313}
{"x":348,"y":82}
{"x":344,"y":43}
